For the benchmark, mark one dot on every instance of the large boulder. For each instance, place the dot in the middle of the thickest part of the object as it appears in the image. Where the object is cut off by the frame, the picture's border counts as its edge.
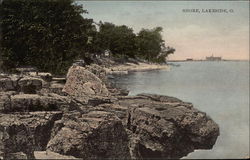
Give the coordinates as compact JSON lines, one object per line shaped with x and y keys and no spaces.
{"x":22,"y":134}
{"x":166,"y":127}
{"x":83,"y":84}
{"x":92,"y":135}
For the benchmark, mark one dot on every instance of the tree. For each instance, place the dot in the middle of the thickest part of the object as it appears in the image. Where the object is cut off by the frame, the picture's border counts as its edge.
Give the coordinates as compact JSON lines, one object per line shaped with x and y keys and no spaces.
{"x":151,"y":46}
{"x":51,"y":34}
{"x":120,"y":40}
{"x":47,"y":34}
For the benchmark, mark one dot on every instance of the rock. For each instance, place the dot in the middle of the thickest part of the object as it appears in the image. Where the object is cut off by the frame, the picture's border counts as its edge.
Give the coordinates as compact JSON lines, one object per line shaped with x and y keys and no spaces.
{"x":93,"y":135}
{"x":54,"y":87}
{"x":34,"y":102}
{"x":99,"y":71}
{"x":166,"y":127}
{"x":51,"y":155}
{"x":6,"y":84}
{"x":82,"y":83}
{"x":9,"y":82}
{"x":5,"y":101}
{"x":120,"y":111}
{"x":59,"y":80}
{"x":46,"y":76}
{"x":30,"y":85}
{"x":97,"y":100}
{"x":118,"y":92}
{"x":88,"y":118}
{"x":25,"y":132}
{"x":17,"y":155}
{"x":27,"y":84}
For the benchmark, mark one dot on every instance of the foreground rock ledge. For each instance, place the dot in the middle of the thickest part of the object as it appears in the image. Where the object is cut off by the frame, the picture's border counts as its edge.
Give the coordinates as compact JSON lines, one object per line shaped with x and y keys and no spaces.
{"x":166,"y":127}
{"x":70,"y":123}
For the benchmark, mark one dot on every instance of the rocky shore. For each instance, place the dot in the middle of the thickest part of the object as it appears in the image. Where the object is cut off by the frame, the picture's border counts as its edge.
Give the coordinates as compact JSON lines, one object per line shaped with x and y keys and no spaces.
{"x":85,"y":117}
{"x":124,"y":66}
{"x":132,"y":67}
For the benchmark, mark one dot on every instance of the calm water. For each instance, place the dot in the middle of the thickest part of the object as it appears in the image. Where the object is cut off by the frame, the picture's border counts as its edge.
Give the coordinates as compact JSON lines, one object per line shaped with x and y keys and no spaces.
{"x":221,"y":89}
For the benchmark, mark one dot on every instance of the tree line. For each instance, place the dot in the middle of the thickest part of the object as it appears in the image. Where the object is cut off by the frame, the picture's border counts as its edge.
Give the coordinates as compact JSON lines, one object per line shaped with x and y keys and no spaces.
{"x":51,"y":34}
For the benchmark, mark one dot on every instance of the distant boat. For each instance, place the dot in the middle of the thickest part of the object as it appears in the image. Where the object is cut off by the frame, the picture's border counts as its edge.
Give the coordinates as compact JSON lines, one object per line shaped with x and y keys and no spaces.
{"x":212,"y":58}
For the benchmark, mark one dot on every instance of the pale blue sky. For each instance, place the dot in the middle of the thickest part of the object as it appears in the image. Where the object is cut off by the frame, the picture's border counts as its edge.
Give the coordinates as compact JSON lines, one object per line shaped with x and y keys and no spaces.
{"x":195,"y":35}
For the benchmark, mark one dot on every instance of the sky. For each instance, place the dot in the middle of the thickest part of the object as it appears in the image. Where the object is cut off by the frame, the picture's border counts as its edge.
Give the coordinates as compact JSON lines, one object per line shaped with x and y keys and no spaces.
{"x":193,"y":35}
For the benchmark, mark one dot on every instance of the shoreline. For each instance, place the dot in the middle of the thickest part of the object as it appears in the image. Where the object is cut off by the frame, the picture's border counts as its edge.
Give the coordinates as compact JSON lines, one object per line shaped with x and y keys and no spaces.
{"x":132,"y":67}
{"x":86,"y":101}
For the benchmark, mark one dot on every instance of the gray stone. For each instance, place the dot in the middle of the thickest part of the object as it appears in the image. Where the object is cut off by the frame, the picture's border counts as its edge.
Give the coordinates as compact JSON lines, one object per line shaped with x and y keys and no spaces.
{"x":98,"y":71}
{"x":9,"y":82}
{"x":34,"y":102}
{"x":166,"y":127}
{"x":88,"y":118}
{"x":5,"y":101}
{"x":54,"y":87}
{"x":46,"y":76}
{"x":25,"y":132}
{"x":30,"y":85}
{"x":51,"y":155}
{"x":93,"y":135}
{"x":17,"y":155}
{"x":82,"y":83}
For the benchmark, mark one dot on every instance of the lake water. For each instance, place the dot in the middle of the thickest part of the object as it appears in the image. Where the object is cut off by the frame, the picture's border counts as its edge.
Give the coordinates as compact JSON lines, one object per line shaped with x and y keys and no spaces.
{"x":221,"y":89}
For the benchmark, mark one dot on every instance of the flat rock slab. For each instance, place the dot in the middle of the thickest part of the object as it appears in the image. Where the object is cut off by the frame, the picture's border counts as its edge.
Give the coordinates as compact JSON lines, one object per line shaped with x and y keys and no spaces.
{"x":51,"y":155}
{"x":33,"y":102}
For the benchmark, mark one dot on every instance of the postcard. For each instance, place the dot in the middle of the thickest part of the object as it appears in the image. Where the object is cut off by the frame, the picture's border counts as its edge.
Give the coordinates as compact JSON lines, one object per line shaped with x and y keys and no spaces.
{"x":124,"y":79}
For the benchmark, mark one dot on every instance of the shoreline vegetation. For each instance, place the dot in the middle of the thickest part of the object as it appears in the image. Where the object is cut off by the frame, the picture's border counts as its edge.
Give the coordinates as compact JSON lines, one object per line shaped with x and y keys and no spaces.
{"x":51,"y":35}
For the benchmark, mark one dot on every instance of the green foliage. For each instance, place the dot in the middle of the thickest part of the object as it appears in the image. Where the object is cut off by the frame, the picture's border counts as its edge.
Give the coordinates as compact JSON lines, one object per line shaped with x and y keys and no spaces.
{"x":120,"y":40}
{"x":51,"y":34}
{"x":47,"y":34}
{"x":124,"y":43}
{"x":151,"y":46}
